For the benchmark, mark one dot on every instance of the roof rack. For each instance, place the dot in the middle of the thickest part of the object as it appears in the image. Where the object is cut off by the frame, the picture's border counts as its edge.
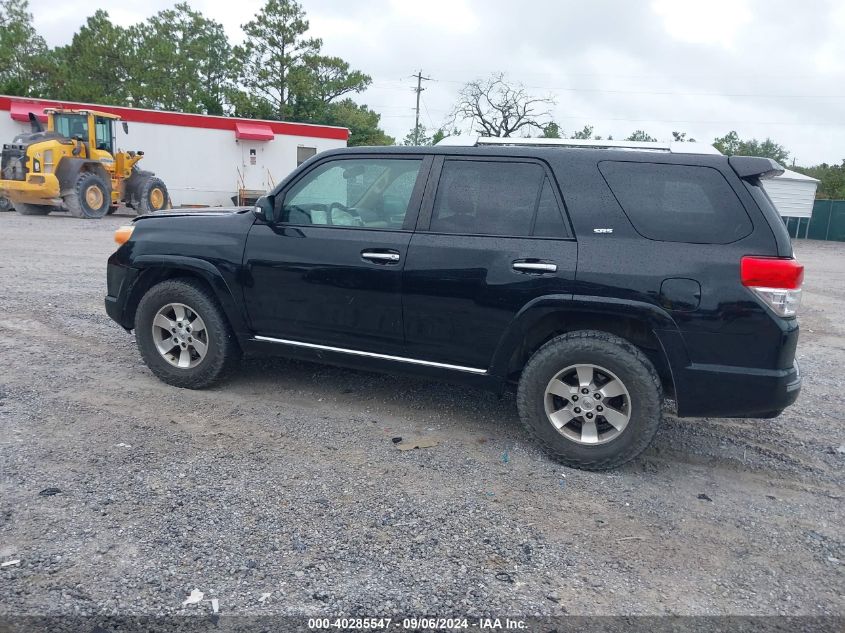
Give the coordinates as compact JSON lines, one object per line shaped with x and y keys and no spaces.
{"x":674,"y":147}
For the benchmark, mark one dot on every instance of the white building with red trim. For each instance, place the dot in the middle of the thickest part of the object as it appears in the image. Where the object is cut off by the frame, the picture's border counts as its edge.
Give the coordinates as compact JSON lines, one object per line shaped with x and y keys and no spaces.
{"x":204,"y":160}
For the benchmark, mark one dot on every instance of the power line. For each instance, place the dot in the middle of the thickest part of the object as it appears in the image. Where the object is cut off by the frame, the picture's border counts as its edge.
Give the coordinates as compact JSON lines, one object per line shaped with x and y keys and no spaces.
{"x":593,"y":118}
{"x":380,"y":85}
{"x":668,"y":92}
{"x":425,"y":107}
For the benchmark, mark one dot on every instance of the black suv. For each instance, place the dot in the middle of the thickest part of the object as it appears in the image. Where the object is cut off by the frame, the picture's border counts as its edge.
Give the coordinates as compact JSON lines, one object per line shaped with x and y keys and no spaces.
{"x":599,"y":281}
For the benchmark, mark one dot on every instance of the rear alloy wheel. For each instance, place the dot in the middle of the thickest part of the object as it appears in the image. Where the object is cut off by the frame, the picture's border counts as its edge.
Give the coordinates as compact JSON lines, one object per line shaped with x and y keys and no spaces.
{"x":592,"y":399}
{"x":90,"y":198}
{"x":588,"y":404}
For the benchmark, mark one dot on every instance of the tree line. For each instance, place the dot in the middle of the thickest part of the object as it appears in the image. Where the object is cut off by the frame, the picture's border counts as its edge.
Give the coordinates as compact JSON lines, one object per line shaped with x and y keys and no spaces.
{"x":179,"y":59}
{"x":494,"y":106}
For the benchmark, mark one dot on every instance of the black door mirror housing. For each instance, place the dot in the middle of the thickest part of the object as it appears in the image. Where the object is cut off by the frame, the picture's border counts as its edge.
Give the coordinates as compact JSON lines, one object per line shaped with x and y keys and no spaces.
{"x":263,"y":208}
{"x":125,"y":127}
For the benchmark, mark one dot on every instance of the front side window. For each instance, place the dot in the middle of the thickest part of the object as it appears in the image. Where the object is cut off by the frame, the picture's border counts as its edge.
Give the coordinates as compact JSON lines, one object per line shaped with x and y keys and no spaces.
{"x":369,"y":193}
{"x":104,"y":136}
{"x":487,"y":198}
{"x":677,"y":203}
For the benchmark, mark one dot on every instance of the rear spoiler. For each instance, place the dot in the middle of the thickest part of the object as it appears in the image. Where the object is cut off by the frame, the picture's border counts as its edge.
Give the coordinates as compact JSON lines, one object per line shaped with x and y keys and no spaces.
{"x":755,"y":167}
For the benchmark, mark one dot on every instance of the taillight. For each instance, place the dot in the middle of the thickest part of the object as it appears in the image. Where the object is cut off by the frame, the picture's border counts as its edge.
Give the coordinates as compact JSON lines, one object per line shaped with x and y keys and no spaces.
{"x":776,"y":280}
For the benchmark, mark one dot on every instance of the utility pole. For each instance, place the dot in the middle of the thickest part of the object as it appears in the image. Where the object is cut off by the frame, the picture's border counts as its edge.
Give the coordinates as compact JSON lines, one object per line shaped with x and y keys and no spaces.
{"x":418,"y":90}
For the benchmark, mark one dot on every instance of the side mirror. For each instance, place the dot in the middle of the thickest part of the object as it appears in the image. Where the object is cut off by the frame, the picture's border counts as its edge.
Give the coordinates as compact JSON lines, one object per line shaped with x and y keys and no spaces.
{"x":125,"y":127}
{"x":263,"y":208}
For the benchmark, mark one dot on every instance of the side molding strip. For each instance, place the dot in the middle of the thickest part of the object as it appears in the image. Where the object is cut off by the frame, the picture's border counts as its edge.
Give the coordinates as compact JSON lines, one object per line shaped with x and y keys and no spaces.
{"x":356,"y":352}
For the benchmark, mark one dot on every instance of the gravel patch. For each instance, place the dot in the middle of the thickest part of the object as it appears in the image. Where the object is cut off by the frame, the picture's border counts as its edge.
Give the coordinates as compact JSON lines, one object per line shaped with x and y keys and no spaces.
{"x":283,"y":491}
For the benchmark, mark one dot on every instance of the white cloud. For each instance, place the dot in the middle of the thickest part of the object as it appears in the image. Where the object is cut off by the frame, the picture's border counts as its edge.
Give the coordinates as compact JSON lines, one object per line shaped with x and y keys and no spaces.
{"x":704,"y":22}
{"x":829,"y":57}
{"x":451,"y":16}
{"x":761,"y":67}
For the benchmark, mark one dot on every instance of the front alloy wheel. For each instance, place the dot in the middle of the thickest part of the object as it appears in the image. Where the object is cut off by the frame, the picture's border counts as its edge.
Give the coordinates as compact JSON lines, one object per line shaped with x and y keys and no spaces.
{"x":180,"y":336}
{"x":183,"y":334}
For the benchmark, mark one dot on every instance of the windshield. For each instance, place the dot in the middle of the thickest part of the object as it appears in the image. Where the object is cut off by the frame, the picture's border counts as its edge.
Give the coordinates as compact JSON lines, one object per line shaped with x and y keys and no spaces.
{"x":71,"y":125}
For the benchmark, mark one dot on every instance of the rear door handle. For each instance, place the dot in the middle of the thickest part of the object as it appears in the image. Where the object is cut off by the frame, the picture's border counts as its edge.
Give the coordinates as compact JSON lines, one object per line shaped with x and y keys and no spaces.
{"x":524,"y":266}
{"x":381,"y":257}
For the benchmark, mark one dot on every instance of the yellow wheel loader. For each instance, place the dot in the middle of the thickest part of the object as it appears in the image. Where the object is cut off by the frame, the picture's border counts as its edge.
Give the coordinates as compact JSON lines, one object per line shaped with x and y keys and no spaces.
{"x":73,"y":165}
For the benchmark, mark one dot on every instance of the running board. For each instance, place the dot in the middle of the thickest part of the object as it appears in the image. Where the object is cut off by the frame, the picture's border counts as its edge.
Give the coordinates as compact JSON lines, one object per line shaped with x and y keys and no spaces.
{"x":357,"y":352}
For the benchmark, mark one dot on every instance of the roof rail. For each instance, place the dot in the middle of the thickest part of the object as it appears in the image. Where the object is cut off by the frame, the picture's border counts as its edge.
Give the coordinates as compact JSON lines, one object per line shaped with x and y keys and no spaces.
{"x":674,"y":147}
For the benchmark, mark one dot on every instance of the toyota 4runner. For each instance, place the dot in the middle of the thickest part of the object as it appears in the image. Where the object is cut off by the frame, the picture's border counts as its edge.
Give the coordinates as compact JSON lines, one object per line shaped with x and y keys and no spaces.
{"x":599,"y":281}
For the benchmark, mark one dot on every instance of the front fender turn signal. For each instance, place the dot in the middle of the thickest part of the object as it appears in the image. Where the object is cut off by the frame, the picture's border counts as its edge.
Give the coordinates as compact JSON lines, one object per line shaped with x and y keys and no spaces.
{"x":122,"y":235}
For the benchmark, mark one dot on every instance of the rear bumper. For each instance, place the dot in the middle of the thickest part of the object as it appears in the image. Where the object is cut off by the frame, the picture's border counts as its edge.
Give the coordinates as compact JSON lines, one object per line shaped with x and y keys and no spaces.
{"x":735,"y":392}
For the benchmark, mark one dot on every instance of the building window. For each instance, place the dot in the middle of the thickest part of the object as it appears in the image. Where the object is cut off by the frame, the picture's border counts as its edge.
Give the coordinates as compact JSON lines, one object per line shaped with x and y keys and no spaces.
{"x":304,"y":153}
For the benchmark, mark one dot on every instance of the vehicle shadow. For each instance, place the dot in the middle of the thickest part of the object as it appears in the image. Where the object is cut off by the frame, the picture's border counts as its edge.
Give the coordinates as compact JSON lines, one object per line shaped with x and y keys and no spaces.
{"x":395,"y":394}
{"x":466,"y":411}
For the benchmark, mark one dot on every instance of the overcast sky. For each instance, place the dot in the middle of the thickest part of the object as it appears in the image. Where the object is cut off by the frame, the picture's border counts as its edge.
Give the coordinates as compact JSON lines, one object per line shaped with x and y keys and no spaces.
{"x":761,"y":67}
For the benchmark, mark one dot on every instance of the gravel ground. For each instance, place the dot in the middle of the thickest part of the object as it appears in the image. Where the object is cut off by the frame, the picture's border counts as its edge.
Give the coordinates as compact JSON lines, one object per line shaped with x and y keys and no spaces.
{"x":282,"y":492}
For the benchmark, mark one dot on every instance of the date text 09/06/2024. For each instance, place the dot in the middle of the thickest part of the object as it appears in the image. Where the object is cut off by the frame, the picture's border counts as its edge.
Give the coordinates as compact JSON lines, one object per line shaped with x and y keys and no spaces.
{"x":436,"y":624}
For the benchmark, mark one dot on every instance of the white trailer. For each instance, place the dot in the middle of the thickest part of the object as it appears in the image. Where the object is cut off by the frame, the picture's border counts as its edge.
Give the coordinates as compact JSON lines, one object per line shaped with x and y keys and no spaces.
{"x":204,"y":160}
{"x":792,"y":193}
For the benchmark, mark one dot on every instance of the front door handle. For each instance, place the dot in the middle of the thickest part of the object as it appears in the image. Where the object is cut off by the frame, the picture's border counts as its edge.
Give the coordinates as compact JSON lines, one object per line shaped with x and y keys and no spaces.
{"x":536,"y":266}
{"x":381,"y":257}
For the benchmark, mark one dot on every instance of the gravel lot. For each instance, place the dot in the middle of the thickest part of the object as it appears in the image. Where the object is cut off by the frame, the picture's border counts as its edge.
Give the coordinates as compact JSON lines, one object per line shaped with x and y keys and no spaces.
{"x":282,"y":492}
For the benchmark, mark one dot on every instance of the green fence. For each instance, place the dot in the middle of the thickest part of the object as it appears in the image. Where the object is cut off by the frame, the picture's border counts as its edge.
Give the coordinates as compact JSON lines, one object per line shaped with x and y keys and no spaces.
{"x":827,"y":222}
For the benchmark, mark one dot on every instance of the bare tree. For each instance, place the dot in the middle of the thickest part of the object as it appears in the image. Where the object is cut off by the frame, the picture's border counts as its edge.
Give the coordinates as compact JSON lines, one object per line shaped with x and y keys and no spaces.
{"x":498,"y":108}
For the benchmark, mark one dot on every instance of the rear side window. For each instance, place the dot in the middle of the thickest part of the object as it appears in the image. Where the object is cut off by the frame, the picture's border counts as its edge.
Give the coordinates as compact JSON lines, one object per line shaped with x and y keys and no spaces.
{"x":677,"y":203}
{"x":495,"y":198}
{"x":549,"y":222}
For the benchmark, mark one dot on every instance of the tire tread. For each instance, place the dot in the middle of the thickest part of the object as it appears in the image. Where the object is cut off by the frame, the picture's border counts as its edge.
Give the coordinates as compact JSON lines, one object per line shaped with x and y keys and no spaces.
{"x":189,"y":290}
{"x":604,"y":343}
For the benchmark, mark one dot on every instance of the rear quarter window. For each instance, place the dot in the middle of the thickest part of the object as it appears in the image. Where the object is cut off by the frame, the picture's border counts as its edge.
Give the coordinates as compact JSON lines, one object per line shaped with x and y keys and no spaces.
{"x":677,"y":203}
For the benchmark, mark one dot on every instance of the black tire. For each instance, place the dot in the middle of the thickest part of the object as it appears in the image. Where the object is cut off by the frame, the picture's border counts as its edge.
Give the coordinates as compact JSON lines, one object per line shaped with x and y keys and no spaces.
{"x":152,"y":195}
{"x":33,"y":209}
{"x":620,"y":357}
{"x":223,"y":351}
{"x":6,"y":204}
{"x":90,"y":198}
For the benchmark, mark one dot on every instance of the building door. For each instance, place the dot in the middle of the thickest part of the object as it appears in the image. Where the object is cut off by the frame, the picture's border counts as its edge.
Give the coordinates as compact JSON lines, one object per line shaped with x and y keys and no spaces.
{"x":254,"y":176}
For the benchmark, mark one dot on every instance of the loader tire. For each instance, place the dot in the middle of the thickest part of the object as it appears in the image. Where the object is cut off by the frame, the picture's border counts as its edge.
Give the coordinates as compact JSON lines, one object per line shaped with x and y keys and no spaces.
{"x":90,"y":198}
{"x":6,"y":204}
{"x":152,"y":196}
{"x":32,"y":209}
